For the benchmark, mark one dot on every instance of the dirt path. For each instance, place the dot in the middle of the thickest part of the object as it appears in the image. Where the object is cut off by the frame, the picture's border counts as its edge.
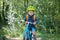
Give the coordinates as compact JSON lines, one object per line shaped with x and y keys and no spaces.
{"x":20,"y":39}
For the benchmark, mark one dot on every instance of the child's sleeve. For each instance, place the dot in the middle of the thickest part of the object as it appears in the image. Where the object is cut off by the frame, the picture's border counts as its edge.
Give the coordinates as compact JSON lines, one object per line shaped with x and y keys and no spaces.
{"x":36,"y":20}
{"x":24,"y":18}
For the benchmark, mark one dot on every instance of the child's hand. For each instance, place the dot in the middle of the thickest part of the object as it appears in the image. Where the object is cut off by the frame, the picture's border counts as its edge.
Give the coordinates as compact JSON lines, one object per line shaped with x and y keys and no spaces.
{"x":26,"y":21}
{"x":34,"y":23}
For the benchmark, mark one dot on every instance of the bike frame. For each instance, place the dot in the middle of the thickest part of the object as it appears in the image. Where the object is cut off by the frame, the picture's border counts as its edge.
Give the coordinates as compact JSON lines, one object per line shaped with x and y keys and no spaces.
{"x":28,"y":35}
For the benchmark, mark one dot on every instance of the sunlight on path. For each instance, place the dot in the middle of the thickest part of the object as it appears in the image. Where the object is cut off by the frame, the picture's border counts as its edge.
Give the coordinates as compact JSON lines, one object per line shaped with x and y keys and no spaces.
{"x":19,"y":38}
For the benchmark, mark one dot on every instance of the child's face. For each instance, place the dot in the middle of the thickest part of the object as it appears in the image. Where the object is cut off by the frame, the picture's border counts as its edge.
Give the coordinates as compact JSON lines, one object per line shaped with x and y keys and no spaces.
{"x":30,"y":13}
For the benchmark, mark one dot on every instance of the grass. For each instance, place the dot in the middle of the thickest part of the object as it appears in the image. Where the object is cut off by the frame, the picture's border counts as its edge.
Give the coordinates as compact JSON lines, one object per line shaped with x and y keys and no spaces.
{"x":47,"y":36}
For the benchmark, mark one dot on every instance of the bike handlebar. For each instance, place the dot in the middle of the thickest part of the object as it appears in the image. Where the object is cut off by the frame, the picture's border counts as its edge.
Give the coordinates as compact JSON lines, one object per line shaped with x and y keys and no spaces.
{"x":27,"y":22}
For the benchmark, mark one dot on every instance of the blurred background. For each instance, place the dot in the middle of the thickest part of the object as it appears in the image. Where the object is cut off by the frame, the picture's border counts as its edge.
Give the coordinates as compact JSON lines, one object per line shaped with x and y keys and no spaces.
{"x":47,"y":12}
